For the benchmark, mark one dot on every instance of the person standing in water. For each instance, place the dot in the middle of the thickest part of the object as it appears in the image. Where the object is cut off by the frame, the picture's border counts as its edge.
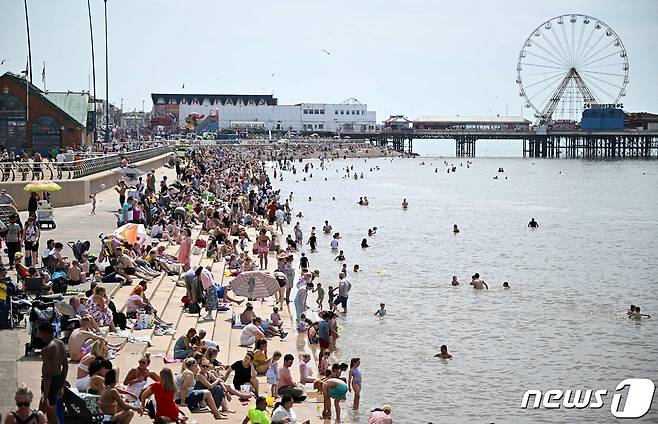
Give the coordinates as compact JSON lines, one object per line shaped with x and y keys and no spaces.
{"x":454,"y":281}
{"x":455,"y":229}
{"x":405,"y":205}
{"x":477,"y":283}
{"x":382,"y":310}
{"x":533,"y":223}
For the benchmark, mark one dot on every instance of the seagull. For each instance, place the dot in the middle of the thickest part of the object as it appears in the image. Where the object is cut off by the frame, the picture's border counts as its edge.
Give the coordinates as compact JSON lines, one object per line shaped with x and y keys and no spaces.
{"x":274,"y":74}
{"x":3,"y":62}
{"x":325,"y":51}
{"x":183,"y":85}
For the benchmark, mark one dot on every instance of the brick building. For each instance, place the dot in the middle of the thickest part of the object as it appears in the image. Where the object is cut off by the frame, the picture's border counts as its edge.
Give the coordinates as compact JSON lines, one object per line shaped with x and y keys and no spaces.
{"x":54,"y":120}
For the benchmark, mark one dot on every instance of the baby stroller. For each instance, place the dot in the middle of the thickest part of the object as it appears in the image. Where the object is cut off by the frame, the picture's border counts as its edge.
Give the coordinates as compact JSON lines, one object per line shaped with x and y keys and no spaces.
{"x":16,"y":306}
{"x":80,"y":248}
{"x":43,"y":310}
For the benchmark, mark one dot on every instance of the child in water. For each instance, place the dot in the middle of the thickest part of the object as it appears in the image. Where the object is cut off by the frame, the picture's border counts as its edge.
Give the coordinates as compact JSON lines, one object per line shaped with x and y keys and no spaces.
{"x":354,"y":380}
{"x":332,"y":294}
{"x":382,"y":310}
{"x":320,"y":299}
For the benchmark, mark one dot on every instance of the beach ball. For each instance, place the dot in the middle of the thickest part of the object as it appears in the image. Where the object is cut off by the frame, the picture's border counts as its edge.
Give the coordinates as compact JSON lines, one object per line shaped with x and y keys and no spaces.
{"x":227,"y":274}
{"x":270,"y":401}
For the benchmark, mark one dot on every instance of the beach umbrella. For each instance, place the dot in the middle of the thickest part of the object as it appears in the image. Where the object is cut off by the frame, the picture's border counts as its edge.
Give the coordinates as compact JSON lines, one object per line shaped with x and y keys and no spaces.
{"x":131,"y":233}
{"x":254,"y":284}
{"x":45,"y":185}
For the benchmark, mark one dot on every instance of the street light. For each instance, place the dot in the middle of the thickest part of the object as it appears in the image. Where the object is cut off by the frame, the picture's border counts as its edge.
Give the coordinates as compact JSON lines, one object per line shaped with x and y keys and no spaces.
{"x":93,"y":69}
{"x":107,"y":84}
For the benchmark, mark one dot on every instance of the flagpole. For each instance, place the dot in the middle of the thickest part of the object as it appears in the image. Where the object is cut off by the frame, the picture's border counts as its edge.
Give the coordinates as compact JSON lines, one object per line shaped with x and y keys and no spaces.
{"x":107,"y":84}
{"x":93,"y":68}
{"x":29,"y":47}
{"x":43,"y":76}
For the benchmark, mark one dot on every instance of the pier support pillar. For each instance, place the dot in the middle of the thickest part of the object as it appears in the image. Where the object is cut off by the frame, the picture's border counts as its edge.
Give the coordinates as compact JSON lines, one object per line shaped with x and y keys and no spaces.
{"x":465,"y":147}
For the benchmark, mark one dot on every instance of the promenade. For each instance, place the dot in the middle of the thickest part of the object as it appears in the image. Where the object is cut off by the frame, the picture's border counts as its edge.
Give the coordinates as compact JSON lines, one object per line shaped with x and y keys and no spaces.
{"x":76,"y":223}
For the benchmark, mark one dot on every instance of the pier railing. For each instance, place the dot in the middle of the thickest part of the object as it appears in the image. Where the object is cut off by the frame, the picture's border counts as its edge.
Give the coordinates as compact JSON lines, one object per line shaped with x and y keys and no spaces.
{"x":29,"y":171}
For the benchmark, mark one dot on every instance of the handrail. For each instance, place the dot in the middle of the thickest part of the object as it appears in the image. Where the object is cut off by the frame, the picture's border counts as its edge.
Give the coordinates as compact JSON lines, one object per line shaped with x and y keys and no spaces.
{"x":29,"y":171}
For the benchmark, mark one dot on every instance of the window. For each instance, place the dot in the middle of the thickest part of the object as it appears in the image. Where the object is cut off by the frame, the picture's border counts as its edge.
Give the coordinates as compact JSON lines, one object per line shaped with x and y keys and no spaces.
{"x":317,"y":111}
{"x":305,"y":112}
{"x":353,"y":112}
{"x":336,"y":112}
{"x":341,"y":112}
{"x":321,"y":111}
{"x":321,"y":126}
{"x":358,"y":112}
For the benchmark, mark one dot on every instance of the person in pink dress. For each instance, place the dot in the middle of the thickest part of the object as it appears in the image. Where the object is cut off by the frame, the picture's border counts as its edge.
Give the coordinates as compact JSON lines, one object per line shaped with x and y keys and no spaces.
{"x":185,"y":251}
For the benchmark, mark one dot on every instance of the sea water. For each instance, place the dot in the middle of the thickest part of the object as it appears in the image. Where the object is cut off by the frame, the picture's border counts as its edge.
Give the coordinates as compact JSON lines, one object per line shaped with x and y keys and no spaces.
{"x":563,"y":323}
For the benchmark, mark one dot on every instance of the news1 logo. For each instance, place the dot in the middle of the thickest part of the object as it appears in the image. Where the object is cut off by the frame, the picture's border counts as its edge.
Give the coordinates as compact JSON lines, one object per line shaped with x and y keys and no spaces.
{"x":637,"y":401}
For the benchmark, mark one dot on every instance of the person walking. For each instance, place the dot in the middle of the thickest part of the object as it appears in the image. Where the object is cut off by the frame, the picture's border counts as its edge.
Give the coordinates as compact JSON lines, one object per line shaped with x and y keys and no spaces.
{"x":31,"y":235}
{"x":53,"y":371}
{"x":13,"y":239}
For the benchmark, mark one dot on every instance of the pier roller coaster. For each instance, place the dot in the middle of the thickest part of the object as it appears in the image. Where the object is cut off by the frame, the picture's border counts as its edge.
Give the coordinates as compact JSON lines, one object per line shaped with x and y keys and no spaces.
{"x":570,"y":61}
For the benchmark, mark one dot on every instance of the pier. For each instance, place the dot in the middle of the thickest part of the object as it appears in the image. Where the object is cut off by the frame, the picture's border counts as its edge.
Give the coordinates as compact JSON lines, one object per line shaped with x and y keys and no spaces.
{"x":536,"y":144}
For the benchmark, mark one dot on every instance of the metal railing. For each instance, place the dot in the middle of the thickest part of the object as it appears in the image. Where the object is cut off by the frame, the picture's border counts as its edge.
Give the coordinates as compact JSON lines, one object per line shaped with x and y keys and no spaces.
{"x":29,"y":171}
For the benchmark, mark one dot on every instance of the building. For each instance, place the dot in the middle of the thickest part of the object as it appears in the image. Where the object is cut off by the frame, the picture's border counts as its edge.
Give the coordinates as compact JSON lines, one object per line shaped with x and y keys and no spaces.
{"x":515,"y":123}
{"x":210,"y":112}
{"x":397,"y":123}
{"x":53,"y":120}
{"x":641,"y":121}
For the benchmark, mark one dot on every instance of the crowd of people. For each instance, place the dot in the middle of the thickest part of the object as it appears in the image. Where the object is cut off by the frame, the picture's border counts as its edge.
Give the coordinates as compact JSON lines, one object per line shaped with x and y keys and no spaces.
{"x":230,"y":197}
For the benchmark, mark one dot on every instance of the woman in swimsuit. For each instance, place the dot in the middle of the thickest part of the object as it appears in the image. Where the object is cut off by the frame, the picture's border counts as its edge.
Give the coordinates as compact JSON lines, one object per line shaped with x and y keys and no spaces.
{"x":24,"y":414}
{"x":354,"y":380}
{"x":112,"y":405}
{"x":98,"y":349}
{"x":263,"y":248}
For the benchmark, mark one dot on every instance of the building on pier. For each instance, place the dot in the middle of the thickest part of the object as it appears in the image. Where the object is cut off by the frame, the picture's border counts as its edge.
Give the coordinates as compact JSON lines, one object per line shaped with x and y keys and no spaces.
{"x":458,"y":122}
{"x":212,"y":112}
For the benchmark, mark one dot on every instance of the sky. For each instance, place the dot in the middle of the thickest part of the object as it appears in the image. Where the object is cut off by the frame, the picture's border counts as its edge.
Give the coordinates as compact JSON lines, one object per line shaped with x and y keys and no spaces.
{"x":409,"y":57}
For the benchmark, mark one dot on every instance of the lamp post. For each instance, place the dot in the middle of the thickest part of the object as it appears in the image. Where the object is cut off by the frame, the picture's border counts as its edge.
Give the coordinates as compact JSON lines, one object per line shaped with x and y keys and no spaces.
{"x":108,"y":133}
{"x":93,"y":69}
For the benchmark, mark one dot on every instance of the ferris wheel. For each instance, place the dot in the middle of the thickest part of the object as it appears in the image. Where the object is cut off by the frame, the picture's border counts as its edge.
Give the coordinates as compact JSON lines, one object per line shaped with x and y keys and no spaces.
{"x":570,"y":61}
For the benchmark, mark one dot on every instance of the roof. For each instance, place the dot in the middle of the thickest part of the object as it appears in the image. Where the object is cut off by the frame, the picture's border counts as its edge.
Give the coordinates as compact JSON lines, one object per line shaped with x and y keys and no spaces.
{"x":36,"y":91}
{"x":76,"y":104}
{"x":473,"y":119}
{"x":397,"y":119}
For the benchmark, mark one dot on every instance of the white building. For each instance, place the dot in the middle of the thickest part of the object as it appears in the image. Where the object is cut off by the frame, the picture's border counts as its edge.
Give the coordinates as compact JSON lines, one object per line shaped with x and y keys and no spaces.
{"x":226,"y":111}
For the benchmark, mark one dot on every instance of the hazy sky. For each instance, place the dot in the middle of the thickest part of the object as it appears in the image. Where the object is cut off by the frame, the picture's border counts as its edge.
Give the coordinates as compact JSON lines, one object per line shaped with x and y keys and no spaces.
{"x":407,"y":57}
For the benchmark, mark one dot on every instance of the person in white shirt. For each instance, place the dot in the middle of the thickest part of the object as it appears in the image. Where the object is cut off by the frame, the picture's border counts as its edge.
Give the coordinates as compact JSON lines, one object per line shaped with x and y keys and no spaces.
{"x":283,"y":412}
{"x":60,"y":157}
{"x":251,"y":333}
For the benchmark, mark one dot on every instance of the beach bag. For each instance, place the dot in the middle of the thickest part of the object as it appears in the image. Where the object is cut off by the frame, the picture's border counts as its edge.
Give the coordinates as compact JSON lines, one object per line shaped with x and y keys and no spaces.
{"x":194,"y":308}
{"x":201,"y":244}
{"x":120,"y":320}
{"x":185,"y":300}
{"x":144,"y":321}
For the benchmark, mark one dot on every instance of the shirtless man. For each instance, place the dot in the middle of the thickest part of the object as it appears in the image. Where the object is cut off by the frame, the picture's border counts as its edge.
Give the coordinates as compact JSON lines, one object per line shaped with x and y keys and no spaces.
{"x":326,"y":228}
{"x":112,"y":405}
{"x":53,"y":371}
{"x":80,"y":336}
{"x":477,"y":283}
{"x":444,"y":353}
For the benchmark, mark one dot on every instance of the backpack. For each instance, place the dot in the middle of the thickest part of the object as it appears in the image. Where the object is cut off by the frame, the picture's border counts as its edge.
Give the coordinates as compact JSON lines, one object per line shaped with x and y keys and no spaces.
{"x":194,"y":308}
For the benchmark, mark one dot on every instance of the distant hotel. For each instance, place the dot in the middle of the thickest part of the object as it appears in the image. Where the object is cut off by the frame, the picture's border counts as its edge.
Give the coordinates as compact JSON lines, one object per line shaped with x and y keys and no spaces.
{"x":210,"y":112}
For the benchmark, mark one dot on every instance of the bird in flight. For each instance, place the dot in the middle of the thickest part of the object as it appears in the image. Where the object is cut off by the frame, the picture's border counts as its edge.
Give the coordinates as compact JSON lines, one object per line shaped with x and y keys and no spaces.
{"x":3,"y":61}
{"x":274,"y":74}
{"x":325,"y":51}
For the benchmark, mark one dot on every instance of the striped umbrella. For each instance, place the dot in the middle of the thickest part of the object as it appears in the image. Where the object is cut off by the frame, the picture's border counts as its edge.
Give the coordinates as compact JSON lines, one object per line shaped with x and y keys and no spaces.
{"x":254,"y":284}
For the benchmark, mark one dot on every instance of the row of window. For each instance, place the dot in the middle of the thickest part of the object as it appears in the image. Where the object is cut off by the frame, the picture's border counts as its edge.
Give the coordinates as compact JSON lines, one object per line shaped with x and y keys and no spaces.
{"x":354,"y":112}
{"x":313,"y":126}
{"x":337,"y":112}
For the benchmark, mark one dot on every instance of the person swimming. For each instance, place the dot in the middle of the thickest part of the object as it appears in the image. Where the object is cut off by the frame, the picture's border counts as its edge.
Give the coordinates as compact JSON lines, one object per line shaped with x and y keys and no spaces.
{"x":506,"y":285}
{"x":364,"y":243}
{"x":444,"y":353}
{"x":455,"y":229}
{"x":454,"y":281}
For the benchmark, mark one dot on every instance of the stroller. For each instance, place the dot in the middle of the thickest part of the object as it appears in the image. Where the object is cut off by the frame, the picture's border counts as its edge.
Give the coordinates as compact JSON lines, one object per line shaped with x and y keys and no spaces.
{"x":43,"y":310}
{"x":80,"y":248}
{"x":16,"y":305}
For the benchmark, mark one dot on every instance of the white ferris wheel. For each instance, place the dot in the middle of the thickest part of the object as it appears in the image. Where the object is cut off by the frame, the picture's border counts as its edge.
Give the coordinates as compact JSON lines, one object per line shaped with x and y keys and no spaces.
{"x":568,"y":62}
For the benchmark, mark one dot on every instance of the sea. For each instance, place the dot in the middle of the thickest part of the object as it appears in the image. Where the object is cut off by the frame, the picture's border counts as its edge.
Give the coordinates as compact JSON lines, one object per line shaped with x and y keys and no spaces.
{"x":562,"y":324}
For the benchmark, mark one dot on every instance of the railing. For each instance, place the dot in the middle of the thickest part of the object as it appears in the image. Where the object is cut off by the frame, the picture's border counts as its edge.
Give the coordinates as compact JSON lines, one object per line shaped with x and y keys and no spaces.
{"x":29,"y":171}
